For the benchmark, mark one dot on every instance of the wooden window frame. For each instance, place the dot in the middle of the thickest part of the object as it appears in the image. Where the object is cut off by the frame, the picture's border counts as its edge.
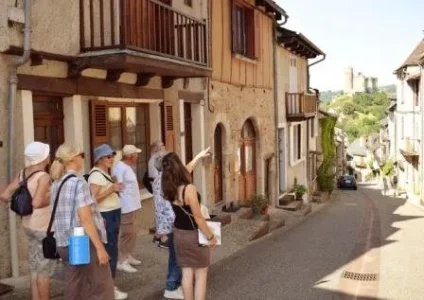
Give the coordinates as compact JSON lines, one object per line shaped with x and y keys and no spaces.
{"x":296,"y":156}
{"x":246,"y":34}
{"x":101,"y":134}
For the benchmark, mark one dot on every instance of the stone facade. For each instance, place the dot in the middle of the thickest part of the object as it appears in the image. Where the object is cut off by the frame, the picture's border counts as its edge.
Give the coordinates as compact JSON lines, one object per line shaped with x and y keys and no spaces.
{"x":232,"y":106}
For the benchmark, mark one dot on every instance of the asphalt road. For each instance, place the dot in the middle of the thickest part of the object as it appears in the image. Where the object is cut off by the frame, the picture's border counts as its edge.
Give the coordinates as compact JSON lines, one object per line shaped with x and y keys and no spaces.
{"x":376,"y":239}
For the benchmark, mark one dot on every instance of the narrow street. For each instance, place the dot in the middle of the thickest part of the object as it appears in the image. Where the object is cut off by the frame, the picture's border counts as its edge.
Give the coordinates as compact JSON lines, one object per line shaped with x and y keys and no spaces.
{"x":376,"y":238}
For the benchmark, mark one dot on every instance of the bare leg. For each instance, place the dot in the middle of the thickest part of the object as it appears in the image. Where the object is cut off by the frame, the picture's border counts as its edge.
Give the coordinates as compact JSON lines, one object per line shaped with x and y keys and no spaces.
{"x":43,"y":284}
{"x":201,"y":277}
{"x":34,"y":287}
{"x":187,"y":283}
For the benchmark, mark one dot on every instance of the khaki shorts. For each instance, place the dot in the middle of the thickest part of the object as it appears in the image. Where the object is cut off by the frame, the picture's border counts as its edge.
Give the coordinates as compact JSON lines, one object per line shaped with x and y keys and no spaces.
{"x":37,"y":263}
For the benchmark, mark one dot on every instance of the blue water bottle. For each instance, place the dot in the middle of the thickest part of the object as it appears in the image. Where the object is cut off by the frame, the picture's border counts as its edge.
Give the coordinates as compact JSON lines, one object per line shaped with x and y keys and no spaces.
{"x":79,"y":247}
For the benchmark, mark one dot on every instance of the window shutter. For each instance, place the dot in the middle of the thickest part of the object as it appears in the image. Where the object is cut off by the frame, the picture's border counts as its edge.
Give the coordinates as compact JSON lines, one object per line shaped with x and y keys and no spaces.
{"x":99,"y":123}
{"x":169,"y":128}
{"x":234,"y":44}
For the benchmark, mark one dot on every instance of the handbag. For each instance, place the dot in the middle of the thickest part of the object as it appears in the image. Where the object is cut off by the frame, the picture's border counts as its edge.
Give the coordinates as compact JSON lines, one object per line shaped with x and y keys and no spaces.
{"x":49,"y":242}
{"x":215,"y":227}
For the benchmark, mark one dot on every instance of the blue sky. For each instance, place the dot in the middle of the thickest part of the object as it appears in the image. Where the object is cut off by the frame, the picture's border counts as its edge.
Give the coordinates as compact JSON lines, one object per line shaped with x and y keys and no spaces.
{"x":372,"y":36}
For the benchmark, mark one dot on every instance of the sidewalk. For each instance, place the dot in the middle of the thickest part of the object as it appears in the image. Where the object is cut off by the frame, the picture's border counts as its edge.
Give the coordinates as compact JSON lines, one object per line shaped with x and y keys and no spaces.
{"x":150,"y":279}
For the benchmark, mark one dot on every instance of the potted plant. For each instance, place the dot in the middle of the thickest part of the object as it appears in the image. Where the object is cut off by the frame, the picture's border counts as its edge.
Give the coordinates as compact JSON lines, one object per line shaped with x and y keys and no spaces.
{"x":259,"y":205}
{"x":299,"y":190}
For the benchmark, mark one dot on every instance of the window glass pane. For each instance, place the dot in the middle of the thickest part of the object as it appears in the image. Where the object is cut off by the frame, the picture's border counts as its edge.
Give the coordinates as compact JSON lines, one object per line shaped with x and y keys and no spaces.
{"x":115,"y":127}
{"x":249,"y":157}
{"x":299,"y":143}
{"x":137,"y":134}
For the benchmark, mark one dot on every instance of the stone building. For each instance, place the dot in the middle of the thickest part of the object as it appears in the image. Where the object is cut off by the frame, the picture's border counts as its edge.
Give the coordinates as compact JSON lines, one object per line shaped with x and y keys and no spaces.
{"x":241,"y":110}
{"x":93,"y":77}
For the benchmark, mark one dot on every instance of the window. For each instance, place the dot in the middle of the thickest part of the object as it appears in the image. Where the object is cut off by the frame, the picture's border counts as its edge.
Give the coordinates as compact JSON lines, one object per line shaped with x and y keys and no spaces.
{"x":296,"y":148}
{"x":188,"y":3}
{"x":312,"y":127}
{"x":119,"y":125}
{"x":243,"y":29}
{"x":128,"y":125}
{"x":415,"y":85}
{"x":402,"y":134}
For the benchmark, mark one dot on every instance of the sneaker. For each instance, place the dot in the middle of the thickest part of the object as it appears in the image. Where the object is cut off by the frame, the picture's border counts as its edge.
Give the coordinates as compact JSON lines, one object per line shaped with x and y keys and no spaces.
{"x":177,"y":294}
{"x":132,"y":261}
{"x":164,"y":245}
{"x":156,"y":240}
{"x":118,"y":295}
{"x":125,"y":267}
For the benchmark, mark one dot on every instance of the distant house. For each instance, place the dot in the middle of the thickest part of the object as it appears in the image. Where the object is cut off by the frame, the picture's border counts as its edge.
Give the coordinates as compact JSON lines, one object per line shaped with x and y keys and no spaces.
{"x":358,"y":151}
{"x":406,"y":124}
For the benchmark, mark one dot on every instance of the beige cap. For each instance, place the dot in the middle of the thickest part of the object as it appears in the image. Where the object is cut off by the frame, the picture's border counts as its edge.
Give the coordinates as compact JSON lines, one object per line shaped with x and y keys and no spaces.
{"x":130,"y":150}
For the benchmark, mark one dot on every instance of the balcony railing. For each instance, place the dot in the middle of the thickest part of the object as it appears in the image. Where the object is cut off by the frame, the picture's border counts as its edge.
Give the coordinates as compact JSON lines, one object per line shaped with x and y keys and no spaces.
{"x":148,"y":26}
{"x":300,"y":106}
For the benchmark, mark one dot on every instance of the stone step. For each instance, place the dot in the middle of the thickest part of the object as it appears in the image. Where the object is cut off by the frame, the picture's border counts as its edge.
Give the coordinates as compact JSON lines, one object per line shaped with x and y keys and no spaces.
{"x":287,"y":199}
{"x":292,"y":206}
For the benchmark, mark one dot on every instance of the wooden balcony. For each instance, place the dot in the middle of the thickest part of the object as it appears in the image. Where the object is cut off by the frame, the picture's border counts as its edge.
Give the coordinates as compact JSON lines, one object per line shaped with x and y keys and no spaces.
{"x":142,"y":36}
{"x":300,"y":106}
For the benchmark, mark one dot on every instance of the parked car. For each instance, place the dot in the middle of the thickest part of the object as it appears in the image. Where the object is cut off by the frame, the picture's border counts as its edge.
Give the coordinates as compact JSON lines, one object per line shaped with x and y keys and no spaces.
{"x":347,"y":182}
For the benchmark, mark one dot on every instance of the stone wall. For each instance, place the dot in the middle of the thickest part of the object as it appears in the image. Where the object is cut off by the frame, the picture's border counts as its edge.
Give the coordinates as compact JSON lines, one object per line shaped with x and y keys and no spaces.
{"x":231,"y":107}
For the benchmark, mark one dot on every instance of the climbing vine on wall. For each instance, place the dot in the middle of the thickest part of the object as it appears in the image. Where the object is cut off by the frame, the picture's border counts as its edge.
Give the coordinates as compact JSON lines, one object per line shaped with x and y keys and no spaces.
{"x":325,"y":173}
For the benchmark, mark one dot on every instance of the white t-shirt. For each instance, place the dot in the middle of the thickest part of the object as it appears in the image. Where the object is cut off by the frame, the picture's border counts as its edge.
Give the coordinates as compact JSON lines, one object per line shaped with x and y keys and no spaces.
{"x":130,"y":195}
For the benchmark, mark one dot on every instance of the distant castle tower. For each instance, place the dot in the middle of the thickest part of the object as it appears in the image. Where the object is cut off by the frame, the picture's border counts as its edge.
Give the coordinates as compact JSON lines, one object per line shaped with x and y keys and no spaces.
{"x":348,"y":80}
{"x":358,"y":83}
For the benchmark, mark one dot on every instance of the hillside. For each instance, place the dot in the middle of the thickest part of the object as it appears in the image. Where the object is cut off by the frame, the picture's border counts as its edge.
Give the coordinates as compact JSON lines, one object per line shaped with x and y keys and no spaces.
{"x":360,"y":114}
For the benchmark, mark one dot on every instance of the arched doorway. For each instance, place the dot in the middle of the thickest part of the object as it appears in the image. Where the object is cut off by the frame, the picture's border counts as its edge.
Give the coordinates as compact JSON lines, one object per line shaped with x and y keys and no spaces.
{"x":247,"y":179}
{"x":218,"y":166}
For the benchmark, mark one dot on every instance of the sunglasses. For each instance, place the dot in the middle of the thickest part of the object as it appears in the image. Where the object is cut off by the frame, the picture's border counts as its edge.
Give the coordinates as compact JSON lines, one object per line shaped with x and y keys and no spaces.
{"x":109,"y":156}
{"x":82,"y":154}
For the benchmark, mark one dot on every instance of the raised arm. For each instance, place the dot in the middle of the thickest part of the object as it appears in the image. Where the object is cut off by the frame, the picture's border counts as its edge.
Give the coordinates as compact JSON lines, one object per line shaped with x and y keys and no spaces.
{"x":202,"y":154}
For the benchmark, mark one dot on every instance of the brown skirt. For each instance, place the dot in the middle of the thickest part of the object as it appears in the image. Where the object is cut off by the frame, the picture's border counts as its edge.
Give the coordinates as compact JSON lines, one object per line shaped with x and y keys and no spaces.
{"x":189,"y":253}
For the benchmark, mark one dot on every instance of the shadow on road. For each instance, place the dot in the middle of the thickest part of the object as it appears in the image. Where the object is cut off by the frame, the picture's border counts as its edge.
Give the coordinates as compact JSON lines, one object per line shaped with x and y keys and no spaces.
{"x":259,"y":269}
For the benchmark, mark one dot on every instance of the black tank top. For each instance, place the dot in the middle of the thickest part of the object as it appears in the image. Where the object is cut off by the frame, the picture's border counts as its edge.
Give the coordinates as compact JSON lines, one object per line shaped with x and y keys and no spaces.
{"x":184,"y":219}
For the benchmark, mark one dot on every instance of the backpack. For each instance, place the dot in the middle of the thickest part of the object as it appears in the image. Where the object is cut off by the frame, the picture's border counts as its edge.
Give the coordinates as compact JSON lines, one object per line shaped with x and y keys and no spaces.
{"x":86,"y":176}
{"x":147,"y":182}
{"x":21,"y":202}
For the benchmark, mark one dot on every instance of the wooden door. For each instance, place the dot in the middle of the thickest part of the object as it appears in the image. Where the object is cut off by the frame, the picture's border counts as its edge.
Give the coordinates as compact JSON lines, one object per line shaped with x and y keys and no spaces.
{"x":48,"y":121}
{"x":218,"y":168}
{"x":247,"y":180}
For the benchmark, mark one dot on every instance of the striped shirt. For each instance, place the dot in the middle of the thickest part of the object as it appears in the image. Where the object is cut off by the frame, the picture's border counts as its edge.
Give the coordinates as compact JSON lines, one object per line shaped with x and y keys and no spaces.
{"x":74,"y":194}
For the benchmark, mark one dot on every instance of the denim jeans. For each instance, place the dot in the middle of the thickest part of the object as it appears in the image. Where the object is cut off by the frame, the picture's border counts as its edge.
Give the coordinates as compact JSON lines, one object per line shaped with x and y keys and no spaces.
{"x":113,"y":221}
{"x":173,"y":279}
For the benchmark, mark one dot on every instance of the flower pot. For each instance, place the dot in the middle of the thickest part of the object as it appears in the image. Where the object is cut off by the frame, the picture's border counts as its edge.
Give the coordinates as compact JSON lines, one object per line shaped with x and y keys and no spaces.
{"x":256,"y":211}
{"x":299,"y":196}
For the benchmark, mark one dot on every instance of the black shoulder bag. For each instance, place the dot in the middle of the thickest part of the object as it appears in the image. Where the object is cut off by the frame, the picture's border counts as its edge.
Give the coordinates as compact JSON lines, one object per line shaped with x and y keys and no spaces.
{"x":49,"y":242}
{"x":21,"y":202}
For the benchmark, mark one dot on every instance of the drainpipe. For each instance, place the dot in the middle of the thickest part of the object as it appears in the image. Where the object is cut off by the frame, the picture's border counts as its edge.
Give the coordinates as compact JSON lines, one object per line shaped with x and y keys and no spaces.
{"x":276,"y":111}
{"x":13,"y":84}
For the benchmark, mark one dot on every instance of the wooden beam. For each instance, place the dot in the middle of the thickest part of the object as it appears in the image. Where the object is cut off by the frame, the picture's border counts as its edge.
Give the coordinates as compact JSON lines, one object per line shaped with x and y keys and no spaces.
{"x":86,"y":86}
{"x":114,"y":74}
{"x":192,"y":97}
{"x":167,"y":82}
{"x":143,"y":79}
{"x":36,"y":59}
{"x":13,"y":50}
{"x":75,"y":69}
